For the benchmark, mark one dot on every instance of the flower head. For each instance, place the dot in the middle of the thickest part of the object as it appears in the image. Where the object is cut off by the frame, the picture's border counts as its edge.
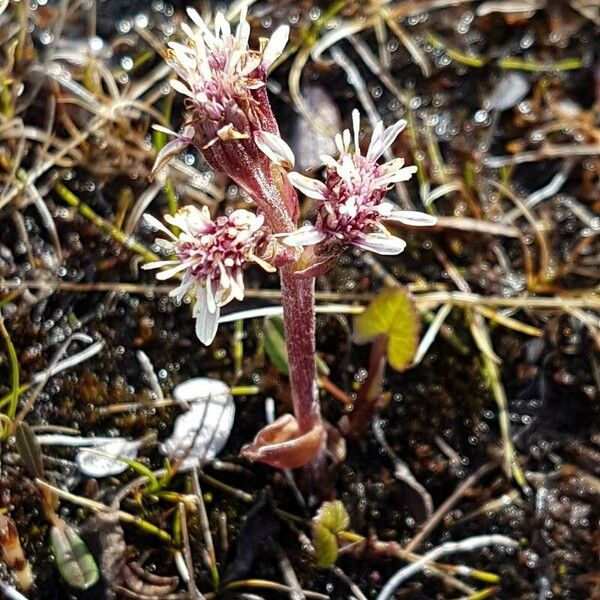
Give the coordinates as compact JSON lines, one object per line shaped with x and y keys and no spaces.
{"x":212,"y":255}
{"x":223,"y":79}
{"x":352,"y":200}
{"x":230,"y":119}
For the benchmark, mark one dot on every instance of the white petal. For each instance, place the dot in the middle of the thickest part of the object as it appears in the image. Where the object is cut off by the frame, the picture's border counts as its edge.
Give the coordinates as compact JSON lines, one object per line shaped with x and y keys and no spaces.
{"x":385,"y":209}
{"x":347,"y":138}
{"x":244,"y":218}
{"x":236,"y":285}
{"x":225,"y":279}
{"x":386,"y":140}
{"x":375,"y":141}
{"x":206,"y":321}
{"x":228,"y":133}
{"x":275,"y":149}
{"x":254,"y":84}
{"x":412,"y":217}
{"x":181,"y":88}
{"x":241,"y":216}
{"x":238,"y":281}
{"x":199,"y":22}
{"x":156,"y":224}
{"x":198,"y":219}
{"x":225,"y":296}
{"x":350,"y":206}
{"x":401,"y":175}
{"x":356,"y":127}
{"x":188,"y":133}
{"x":251,"y":63}
{"x":391,"y":166}
{"x":167,"y":245}
{"x":304,"y":236}
{"x":164,"y":130}
{"x":275,"y":46}
{"x":257,"y":222}
{"x":183,"y":56}
{"x":181,"y":49}
{"x":181,"y":290}
{"x":188,"y":31}
{"x":380,"y":243}
{"x":328,"y":161}
{"x":261,"y":263}
{"x":178,"y":220}
{"x":242,"y":32}
{"x":157,"y":264}
{"x":172,"y":271}
{"x":191,"y":220}
{"x":375,"y":150}
{"x":233,"y":60}
{"x":346,"y":168}
{"x":339,"y":142}
{"x":312,"y":188}
{"x":210,"y":296}
{"x":201,"y":55}
{"x":222,"y":28}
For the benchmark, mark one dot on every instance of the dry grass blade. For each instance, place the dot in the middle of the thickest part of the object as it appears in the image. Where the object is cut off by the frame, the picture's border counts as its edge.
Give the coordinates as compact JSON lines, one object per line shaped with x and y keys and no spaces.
{"x":413,"y":49}
{"x":549,"y":151}
{"x":477,"y":226}
{"x":379,"y":70}
{"x":483,"y":341}
{"x":431,"y":333}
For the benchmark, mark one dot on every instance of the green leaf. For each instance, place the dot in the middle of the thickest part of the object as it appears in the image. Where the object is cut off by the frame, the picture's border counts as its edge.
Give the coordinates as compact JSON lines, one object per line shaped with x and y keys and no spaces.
{"x":325,"y":545}
{"x":29,"y":450}
{"x":333,"y":516}
{"x":276,"y":349}
{"x":72,"y":557}
{"x":275,"y":344}
{"x":331,"y":519}
{"x":392,"y":313}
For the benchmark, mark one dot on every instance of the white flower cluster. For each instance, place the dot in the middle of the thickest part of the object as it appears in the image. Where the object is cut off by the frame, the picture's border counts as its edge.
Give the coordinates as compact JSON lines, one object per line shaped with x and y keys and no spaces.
{"x":352,"y":199}
{"x":212,"y":255}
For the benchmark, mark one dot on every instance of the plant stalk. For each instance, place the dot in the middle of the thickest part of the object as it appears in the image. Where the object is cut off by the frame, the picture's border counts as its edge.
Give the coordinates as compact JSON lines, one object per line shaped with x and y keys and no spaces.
{"x":298,"y":300}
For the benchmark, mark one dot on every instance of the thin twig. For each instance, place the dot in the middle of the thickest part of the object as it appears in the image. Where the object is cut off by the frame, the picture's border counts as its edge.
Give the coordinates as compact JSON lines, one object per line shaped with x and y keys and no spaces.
{"x":99,"y":507}
{"x":287,"y":570}
{"x":356,"y":591}
{"x":205,"y":527}
{"x":447,"y":505}
{"x":187,"y":553}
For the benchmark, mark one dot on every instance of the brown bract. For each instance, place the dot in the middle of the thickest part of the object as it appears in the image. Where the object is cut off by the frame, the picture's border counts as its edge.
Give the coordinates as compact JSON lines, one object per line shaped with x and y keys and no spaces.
{"x":282,"y":445}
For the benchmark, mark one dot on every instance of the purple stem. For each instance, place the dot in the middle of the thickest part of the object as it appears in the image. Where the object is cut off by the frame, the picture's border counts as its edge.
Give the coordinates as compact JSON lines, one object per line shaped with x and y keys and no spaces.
{"x":298,"y":300}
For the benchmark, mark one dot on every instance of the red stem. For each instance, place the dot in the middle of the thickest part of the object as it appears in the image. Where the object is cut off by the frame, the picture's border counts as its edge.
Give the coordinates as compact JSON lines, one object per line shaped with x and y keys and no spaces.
{"x":297,"y":297}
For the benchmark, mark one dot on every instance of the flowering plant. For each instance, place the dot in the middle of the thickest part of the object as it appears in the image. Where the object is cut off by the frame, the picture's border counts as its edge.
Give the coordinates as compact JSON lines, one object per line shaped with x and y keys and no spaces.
{"x":231,"y":122}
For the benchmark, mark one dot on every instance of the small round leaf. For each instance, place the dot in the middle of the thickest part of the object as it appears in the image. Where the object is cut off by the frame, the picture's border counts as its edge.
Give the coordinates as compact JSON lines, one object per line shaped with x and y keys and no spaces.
{"x":392,"y":313}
